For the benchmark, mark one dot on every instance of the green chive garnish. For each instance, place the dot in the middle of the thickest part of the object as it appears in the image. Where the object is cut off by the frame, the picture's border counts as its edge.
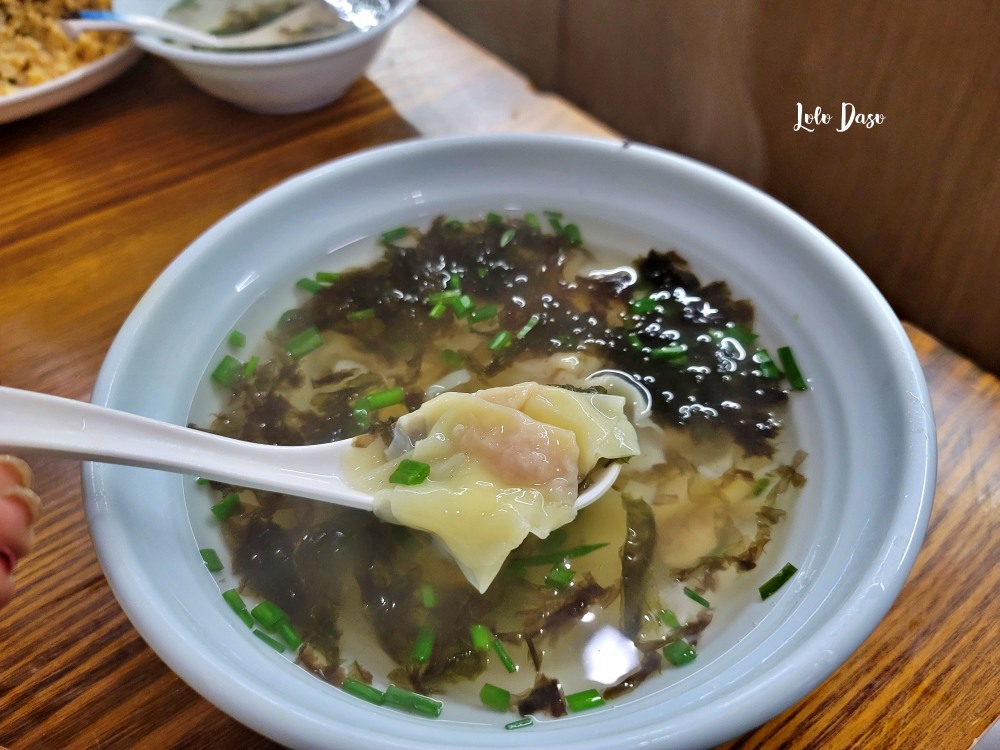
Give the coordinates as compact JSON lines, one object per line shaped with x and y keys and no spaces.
{"x":481,"y":637}
{"x":502,"y":654}
{"x":361,"y":418}
{"x":237,"y":339}
{"x":524,"y":721}
{"x":269,"y":615}
{"x":410,"y":472}
{"x":494,"y":218}
{"x":777,"y":581}
{"x":462,"y":305}
{"x":275,"y":644}
{"x":226,"y":371}
{"x":454,"y":224}
{"x":211,"y":558}
{"x":532,"y":322}
{"x":452,"y":359}
{"x":445,"y":295}
{"x":495,"y":697}
{"x":670,"y":619}
{"x":380,"y":399}
{"x":367,"y":314}
{"x":327,"y":277}
{"x":679,"y":653}
{"x":365,"y":692}
{"x":691,"y":594}
{"x":309,"y":285}
{"x":251,"y":366}
{"x":288,"y":635}
{"x":584,"y":700}
{"x":423,"y":646}
{"x":235,"y":602}
{"x":792,"y":371}
{"x":560,"y":575}
{"x":499,"y":341}
{"x":642,"y":305}
{"x":454,"y":281}
{"x":227,"y":506}
{"x":437,"y":311}
{"x":201,"y":481}
{"x":760,"y":485}
{"x":303,"y":343}
{"x":428,"y":597}
{"x":395,"y":234}
{"x":550,"y":558}
{"x":675,"y":351}
{"x":532,"y":221}
{"x":507,"y":237}
{"x":483,"y":313}
{"x":572,"y":233}
{"x":411,"y":702}
{"x":482,"y":272}
{"x":767,"y":367}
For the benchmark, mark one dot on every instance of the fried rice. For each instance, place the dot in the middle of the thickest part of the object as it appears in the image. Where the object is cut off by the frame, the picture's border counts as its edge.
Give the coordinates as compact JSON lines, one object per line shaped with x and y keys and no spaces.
{"x":33,"y":47}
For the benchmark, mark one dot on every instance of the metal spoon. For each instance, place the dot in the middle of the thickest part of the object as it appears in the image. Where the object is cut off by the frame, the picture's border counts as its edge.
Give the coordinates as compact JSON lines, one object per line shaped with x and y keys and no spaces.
{"x":310,"y":21}
{"x":37,"y":423}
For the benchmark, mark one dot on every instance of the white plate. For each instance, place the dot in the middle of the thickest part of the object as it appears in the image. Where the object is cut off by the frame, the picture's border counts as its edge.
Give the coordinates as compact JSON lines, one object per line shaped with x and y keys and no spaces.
{"x":866,"y":423}
{"x":78,"y":82}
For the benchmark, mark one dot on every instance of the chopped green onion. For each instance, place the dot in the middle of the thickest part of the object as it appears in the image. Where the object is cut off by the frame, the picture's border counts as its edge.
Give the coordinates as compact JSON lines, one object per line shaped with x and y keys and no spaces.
{"x":777,"y":581}
{"x":557,"y":226}
{"x":269,"y":615}
{"x":251,"y":366}
{"x":553,"y":214}
{"x":483,"y":313}
{"x":361,"y":418}
{"x":692,"y":594}
{"x":524,"y":721}
{"x":428,"y":597}
{"x":235,"y":602}
{"x":634,"y":341}
{"x":584,"y":700}
{"x":275,"y":644}
{"x":365,"y":692}
{"x":411,"y":702}
{"x":367,"y":314}
{"x":452,"y":359}
{"x":410,"y":472}
{"x":495,"y":697}
{"x":309,"y":285}
{"x":454,"y":281}
{"x":482,"y":272}
{"x":327,"y":277}
{"x":443,"y":296}
{"x":642,"y":305}
{"x":560,"y":575}
{"x":454,"y":224}
{"x":760,"y":485}
{"x":670,"y":619}
{"x":226,"y":371}
{"x":211,"y":558}
{"x":227,"y":506}
{"x":437,"y":311}
{"x":792,"y":371}
{"x":532,"y":322}
{"x":675,"y":351}
{"x":502,"y":654}
{"x":499,"y":341}
{"x":481,"y":637}
{"x":532,"y":221}
{"x":303,"y":343}
{"x":380,"y":399}
{"x":767,"y":367}
{"x":679,"y":653}
{"x":462,"y":305}
{"x":507,"y":237}
{"x":494,"y":218}
{"x":395,"y":234}
{"x":550,"y":558}
{"x":202,"y":481}
{"x":237,"y":339}
{"x":289,"y":636}
{"x":423,"y":646}
{"x":572,"y":233}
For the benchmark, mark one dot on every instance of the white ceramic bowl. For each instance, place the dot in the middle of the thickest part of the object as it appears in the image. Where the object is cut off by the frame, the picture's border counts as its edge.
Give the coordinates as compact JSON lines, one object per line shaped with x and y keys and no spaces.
{"x":866,"y":423}
{"x":280,"y":81}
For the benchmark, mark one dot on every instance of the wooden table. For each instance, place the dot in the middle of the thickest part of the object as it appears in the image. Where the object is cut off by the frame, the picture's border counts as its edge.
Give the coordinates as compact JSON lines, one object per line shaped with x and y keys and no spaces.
{"x":97,"y":197}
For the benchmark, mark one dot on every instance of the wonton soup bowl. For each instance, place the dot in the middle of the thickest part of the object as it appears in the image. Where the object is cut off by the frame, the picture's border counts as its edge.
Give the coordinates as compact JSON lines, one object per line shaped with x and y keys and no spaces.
{"x":865,"y":422}
{"x":274,"y":81}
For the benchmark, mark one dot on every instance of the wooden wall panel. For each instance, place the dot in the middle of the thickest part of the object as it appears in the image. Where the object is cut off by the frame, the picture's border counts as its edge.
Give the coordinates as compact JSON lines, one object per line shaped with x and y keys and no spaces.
{"x":913,"y":200}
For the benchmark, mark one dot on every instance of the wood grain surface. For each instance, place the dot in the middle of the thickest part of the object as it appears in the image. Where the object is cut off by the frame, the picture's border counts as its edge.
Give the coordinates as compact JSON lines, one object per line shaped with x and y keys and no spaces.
{"x":99,"y":196}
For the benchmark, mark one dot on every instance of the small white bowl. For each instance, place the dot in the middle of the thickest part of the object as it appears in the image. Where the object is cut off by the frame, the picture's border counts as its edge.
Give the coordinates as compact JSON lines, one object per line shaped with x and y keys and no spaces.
{"x":866,"y":423}
{"x":279,"y":81}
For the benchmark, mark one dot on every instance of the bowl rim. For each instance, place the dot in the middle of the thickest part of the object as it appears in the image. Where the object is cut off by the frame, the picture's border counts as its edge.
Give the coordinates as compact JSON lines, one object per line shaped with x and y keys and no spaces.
{"x":887,"y":573}
{"x":273,"y":57}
